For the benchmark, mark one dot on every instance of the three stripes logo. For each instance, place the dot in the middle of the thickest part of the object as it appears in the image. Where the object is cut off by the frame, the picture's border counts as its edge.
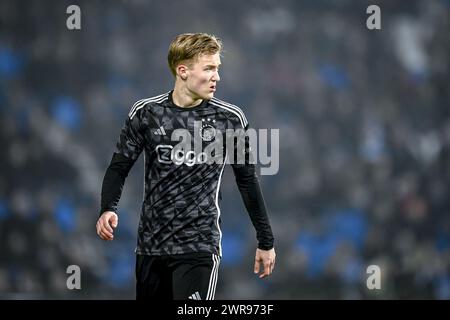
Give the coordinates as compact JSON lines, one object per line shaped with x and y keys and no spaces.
{"x":195,"y":296}
{"x":160,"y":131}
{"x":141,"y":103}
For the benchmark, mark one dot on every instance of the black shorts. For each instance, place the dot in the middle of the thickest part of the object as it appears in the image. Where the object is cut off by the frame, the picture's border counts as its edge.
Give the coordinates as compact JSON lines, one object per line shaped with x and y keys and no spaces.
{"x":178,"y":277}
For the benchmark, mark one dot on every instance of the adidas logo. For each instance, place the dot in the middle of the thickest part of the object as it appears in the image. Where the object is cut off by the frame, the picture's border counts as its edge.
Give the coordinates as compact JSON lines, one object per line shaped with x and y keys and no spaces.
{"x":160,"y":131}
{"x":195,"y":296}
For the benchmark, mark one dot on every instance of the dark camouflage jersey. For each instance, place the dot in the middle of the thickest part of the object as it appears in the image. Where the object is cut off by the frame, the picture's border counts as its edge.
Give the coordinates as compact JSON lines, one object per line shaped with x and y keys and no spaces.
{"x":180,"y":211}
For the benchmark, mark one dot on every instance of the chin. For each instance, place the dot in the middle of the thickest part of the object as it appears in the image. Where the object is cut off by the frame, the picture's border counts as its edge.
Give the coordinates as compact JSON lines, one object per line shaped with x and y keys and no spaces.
{"x":206,"y":95}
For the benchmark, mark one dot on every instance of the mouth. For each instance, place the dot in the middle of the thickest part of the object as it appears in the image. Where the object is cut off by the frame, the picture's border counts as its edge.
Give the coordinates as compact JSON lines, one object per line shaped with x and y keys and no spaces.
{"x":212,"y":88}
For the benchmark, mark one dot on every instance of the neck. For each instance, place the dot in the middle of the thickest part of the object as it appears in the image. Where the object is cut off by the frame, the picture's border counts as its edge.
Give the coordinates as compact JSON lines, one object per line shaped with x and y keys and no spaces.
{"x":182,"y":97}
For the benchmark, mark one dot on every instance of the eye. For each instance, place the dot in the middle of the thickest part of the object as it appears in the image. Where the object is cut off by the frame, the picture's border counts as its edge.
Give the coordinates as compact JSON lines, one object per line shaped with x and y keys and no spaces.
{"x":212,"y":69}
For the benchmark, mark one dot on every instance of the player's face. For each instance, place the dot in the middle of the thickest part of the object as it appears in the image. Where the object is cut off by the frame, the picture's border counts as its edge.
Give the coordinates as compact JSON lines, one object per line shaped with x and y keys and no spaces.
{"x":203,"y":75}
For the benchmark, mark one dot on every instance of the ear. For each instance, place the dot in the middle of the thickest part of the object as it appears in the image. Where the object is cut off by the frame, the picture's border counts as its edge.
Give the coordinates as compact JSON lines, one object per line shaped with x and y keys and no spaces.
{"x":182,"y":71}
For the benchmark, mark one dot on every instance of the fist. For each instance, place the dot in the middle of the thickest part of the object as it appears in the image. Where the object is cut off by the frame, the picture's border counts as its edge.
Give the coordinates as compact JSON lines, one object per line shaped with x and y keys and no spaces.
{"x":106,"y":224}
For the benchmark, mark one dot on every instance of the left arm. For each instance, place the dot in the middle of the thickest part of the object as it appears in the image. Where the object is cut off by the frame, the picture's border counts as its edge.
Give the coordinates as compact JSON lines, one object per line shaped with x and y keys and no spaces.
{"x":252,"y":196}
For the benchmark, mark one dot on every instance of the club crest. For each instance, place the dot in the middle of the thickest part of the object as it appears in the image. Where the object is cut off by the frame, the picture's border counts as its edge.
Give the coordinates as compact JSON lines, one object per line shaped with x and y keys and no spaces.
{"x":207,"y":131}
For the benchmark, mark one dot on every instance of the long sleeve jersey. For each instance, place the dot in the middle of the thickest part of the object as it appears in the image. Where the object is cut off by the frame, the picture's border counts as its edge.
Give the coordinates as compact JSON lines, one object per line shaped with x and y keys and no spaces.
{"x":180,"y":210}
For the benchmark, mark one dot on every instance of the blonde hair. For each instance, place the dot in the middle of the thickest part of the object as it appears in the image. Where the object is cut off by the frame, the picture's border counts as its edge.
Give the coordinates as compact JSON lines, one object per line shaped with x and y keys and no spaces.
{"x":188,"y":46}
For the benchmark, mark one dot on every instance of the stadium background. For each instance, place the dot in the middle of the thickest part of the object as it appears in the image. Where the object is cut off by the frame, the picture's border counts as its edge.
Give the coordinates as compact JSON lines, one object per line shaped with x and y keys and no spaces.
{"x":364,"y":142}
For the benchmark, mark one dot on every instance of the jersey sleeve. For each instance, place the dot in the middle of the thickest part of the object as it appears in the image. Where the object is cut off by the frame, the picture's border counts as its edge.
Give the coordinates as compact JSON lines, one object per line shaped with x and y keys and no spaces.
{"x":248,"y":184}
{"x":128,"y":148}
{"x":132,"y":136}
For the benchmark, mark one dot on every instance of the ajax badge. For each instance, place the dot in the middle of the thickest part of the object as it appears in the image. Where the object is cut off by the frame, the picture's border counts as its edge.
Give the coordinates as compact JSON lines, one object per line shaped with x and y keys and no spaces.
{"x":207,"y":131}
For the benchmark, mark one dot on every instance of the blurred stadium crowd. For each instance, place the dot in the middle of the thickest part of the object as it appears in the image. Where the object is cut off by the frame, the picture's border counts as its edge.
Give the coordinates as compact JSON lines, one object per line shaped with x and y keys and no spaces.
{"x":364,"y":119}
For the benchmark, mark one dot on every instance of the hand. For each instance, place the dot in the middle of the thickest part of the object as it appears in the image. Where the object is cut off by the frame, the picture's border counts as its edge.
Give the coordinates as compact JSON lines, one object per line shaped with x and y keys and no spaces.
{"x":267,"y":258}
{"x":105,"y":225}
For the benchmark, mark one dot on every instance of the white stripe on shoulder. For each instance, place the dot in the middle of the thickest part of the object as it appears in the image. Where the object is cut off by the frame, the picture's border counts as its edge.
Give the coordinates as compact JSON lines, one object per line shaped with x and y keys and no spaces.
{"x":148,"y":101}
{"x":232,"y":106}
{"x":236,"y":110}
{"x":141,"y":103}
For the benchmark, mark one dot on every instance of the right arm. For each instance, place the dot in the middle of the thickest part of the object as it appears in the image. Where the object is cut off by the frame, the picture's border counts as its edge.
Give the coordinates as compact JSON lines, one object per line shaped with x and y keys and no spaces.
{"x":112,"y":187}
{"x":129,"y":147}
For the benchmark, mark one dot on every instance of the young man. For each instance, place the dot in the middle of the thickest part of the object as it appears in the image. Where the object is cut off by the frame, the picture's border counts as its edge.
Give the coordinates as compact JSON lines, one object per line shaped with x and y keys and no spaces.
{"x":179,"y":236}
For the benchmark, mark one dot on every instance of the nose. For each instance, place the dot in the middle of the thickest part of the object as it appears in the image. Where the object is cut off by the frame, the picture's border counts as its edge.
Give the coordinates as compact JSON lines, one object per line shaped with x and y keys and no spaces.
{"x":216,"y":76}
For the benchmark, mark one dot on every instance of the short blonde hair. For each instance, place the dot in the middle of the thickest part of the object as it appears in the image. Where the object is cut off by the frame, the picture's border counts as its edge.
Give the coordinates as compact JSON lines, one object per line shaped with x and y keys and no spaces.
{"x":188,"y":46}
